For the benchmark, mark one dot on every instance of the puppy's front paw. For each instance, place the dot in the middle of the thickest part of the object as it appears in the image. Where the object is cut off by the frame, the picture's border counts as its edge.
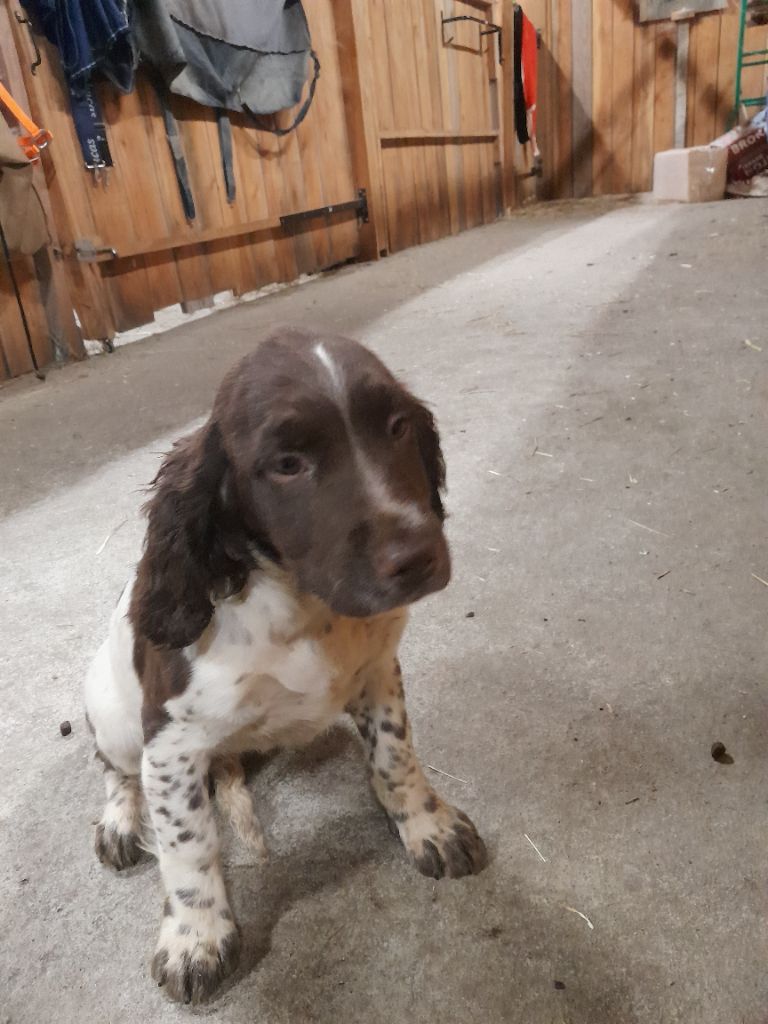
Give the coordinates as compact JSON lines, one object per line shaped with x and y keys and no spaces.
{"x":442,"y":841}
{"x":195,"y":952}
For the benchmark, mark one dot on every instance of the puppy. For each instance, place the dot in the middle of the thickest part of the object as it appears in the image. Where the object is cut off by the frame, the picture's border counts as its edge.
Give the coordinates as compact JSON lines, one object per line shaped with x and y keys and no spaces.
{"x":285,"y":539}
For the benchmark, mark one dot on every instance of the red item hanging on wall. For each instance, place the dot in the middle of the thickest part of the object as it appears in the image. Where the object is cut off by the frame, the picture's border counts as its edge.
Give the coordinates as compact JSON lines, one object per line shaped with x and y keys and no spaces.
{"x":525,"y":60}
{"x":530,"y":57}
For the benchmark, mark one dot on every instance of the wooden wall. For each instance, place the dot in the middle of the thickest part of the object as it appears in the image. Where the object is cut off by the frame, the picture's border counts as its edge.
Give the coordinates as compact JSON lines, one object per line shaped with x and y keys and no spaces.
{"x":413,"y":121}
{"x":608,"y":85}
{"x":135,"y":209}
{"x":423,"y":123}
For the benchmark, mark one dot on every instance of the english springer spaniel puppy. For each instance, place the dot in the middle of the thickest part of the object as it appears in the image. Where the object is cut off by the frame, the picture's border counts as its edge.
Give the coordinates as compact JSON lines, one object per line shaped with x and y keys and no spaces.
{"x":285,"y":539}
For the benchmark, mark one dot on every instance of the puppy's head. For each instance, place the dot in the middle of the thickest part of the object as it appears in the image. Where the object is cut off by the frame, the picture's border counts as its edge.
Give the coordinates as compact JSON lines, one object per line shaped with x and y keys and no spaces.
{"x":314,"y":456}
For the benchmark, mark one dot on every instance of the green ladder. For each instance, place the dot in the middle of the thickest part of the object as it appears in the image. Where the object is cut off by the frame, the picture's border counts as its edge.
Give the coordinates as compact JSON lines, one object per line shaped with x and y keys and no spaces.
{"x":754,"y":12}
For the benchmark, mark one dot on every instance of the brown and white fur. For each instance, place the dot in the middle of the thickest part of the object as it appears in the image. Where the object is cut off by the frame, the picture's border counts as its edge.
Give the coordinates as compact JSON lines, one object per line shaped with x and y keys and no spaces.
{"x":285,"y":539}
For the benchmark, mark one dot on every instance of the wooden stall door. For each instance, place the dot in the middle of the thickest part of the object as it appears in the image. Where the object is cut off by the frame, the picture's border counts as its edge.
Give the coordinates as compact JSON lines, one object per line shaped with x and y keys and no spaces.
{"x":437,"y":117}
{"x":135,"y":209}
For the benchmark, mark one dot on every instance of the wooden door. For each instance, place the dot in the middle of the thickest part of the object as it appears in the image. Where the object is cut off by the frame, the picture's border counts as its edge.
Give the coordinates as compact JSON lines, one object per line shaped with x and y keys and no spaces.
{"x":437,"y":112}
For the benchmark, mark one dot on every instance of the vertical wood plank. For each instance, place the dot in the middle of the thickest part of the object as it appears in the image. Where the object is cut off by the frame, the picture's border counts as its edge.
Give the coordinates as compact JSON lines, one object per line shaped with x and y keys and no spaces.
{"x":643,"y":120}
{"x":581,"y":108}
{"x":664,"y":87}
{"x":422,"y":110}
{"x":691,"y":84}
{"x":356,"y":59}
{"x":404,"y":215}
{"x":704,"y":106}
{"x":268,"y":149}
{"x":315,"y":169}
{"x":682,"y":65}
{"x":602,"y":97}
{"x":483,"y":119}
{"x":478,"y":115}
{"x":452,"y":119}
{"x":490,"y":204}
{"x":494,"y":97}
{"x":250,"y":272}
{"x":339,"y":177}
{"x":56,"y":298}
{"x":547,"y":110}
{"x":15,"y":350}
{"x":434,"y":186}
{"x":311,"y":193}
{"x":240,"y":264}
{"x":294,"y":199}
{"x":252,"y":189}
{"x":563,"y":69}
{"x":443,"y":159}
{"x":391,"y":159}
{"x":408,"y":114}
{"x":624,"y":95}
{"x":446,"y":119}
{"x":472,"y":171}
{"x":726,"y":68}
{"x":34,"y":309}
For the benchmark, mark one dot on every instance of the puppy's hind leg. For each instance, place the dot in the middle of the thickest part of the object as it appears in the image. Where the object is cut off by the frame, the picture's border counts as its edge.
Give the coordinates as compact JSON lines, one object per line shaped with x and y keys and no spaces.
{"x":113,"y":717}
{"x":235,"y":801}
{"x":118,"y":835}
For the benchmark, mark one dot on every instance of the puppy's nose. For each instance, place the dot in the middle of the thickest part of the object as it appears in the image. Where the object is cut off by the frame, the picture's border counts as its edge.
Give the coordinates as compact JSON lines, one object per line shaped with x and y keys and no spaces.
{"x":402,"y":561}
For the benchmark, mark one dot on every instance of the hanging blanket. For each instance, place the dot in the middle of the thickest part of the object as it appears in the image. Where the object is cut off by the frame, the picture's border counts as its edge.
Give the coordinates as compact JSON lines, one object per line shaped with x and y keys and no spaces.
{"x":250,"y":55}
{"x":91,"y":36}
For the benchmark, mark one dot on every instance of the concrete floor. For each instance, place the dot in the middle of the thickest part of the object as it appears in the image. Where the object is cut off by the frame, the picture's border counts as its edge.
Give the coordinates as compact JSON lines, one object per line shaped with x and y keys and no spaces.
{"x":604,"y":425}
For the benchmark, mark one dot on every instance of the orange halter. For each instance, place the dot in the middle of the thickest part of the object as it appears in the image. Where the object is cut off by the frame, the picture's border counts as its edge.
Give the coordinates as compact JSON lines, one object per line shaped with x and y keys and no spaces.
{"x":36,"y":138}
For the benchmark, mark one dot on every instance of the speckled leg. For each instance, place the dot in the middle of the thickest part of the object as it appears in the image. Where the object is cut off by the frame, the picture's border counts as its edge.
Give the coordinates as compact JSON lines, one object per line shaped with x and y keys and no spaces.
{"x":199,"y":942}
{"x":440,"y":839}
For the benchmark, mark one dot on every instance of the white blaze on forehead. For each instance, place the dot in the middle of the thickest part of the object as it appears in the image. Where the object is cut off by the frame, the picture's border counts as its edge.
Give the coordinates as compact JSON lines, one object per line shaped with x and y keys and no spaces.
{"x":332,"y":368}
{"x":375,"y":485}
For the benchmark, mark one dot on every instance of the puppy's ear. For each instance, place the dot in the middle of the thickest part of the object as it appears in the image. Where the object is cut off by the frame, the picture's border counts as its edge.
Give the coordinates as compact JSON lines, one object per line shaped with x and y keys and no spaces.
{"x":432,"y":456}
{"x":193,"y":549}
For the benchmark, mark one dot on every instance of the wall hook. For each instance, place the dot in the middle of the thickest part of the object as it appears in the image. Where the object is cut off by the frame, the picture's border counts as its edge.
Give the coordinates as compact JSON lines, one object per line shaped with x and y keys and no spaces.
{"x":487,"y":28}
{"x":38,"y":58}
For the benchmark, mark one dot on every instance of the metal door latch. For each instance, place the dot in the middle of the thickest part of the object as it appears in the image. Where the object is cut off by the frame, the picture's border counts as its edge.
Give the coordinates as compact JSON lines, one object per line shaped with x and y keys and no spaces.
{"x":86,"y":252}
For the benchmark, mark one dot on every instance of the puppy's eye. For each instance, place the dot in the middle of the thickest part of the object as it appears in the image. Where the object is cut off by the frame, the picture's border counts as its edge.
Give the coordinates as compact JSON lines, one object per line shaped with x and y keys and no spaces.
{"x":398,"y":426}
{"x":288,"y":465}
